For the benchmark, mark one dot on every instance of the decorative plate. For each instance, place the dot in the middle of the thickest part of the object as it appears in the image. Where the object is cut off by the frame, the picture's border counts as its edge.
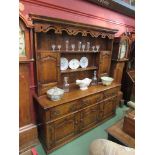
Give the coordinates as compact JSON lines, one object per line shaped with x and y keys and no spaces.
{"x":74,"y":64}
{"x":83,"y":62}
{"x":63,"y":63}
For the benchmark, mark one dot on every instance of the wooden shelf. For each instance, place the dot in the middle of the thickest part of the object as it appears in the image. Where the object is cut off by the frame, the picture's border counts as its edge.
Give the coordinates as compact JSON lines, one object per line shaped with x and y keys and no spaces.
{"x":79,"y":69}
{"x":63,"y":51}
{"x":72,"y":52}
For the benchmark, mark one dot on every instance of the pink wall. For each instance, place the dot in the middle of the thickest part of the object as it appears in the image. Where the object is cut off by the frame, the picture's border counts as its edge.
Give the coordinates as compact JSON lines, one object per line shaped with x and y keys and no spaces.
{"x":81,"y":11}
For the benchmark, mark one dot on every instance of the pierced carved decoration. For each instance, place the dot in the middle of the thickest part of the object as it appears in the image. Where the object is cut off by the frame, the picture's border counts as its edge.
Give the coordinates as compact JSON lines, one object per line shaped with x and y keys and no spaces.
{"x":106,"y":52}
{"x":58,"y":29}
{"x":46,"y":58}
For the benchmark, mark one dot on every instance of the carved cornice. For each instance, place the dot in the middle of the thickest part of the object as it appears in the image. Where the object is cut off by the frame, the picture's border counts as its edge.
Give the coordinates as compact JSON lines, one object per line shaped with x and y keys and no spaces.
{"x":58,"y":29}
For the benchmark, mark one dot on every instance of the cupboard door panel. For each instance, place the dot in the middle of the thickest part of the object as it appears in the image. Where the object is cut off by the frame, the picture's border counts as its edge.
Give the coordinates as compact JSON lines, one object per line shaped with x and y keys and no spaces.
{"x":89,"y":117}
{"x":105,"y":61}
{"x":109,"y":106}
{"x":62,"y":130}
{"x":48,"y":70}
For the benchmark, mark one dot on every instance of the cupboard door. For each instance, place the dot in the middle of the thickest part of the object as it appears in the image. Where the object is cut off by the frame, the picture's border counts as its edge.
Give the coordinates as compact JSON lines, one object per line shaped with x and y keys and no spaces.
{"x":62,"y":130}
{"x":109,"y":107}
{"x":105,"y":61}
{"x":48,"y":71}
{"x":89,"y":117}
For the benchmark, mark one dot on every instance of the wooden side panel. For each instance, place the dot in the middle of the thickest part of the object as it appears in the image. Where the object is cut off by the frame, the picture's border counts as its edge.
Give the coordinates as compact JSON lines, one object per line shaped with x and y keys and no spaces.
{"x":117,"y":71}
{"x":24,"y":95}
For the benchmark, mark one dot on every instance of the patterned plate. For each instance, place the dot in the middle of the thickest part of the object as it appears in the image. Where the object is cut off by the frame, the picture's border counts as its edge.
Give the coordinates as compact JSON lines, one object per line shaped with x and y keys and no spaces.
{"x":63,"y":63}
{"x":74,"y":64}
{"x":83,"y":62}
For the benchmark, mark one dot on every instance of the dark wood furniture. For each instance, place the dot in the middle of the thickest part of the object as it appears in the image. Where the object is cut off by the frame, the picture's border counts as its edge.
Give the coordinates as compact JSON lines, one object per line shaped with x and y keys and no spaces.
{"x":78,"y":111}
{"x":27,"y":129}
{"x":116,"y":134}
{"x":129,"y":124}
{"x":129,"y":86}
{"x":128,"y":79}
{"x":119,"y":59}
{"x":119,"y":56}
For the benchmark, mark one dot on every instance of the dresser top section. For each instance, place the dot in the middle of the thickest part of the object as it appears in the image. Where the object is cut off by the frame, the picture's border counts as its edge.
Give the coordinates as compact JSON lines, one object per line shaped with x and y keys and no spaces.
{"x":46,"y":103}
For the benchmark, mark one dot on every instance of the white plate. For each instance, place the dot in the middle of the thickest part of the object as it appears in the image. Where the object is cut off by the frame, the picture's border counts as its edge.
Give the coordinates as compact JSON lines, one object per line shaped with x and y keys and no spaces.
{"x":63,"y":63}
{"x":83,"y":62}
{"x":74,"y":64}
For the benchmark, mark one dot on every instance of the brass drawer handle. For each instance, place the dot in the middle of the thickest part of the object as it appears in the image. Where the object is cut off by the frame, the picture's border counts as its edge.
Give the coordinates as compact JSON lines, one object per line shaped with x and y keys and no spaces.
{"x":56,"y":112}
{"x":72,"y":108}
{"x":76,"y":122}
{"x":81,"y":119}
{"x":93,"y":110}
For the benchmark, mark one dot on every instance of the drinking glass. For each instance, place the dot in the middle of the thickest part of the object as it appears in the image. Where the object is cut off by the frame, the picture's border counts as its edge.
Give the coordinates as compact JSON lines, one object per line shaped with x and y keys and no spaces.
{"x":97,"y":47}
{"x":79,"y":45}
{"x":93,"y":47}
{"x":73,"y":47}
{"x":88,"y":46}
{"x":83,"y":47}
{"x":67,"y":45}
{"x":59,"y":46}
{"x":53,"y":47}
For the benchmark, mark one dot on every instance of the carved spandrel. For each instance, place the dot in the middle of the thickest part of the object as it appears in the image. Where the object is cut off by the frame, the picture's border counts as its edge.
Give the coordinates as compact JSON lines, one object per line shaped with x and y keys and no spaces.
{"x":46,"y":58}
{"x":71,"y":30}
{"x":106,"y":53}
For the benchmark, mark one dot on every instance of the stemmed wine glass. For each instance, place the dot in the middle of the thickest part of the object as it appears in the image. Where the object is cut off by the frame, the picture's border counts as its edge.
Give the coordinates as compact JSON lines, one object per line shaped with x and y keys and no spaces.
{"x":97,"y":47}
{"x":53,"y":47}
{"x":83,"y":47}
{"x":67,"y":45}
{"x":79,"y":45}
{"x":88,"y":46}
{"x":59,"y":46}
{"x":73,"y":47}
{"x":93,"y":47}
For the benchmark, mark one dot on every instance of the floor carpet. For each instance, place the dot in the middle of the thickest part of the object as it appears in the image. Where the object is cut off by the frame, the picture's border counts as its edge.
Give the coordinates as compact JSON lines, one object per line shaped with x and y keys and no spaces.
{"x":80,"y":146}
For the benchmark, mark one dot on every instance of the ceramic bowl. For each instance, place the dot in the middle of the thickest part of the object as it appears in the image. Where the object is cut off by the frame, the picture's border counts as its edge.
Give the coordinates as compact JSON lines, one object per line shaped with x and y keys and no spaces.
{"x":83,"y":84}
{"x":106,"y":80}
{"x":55,"y":94}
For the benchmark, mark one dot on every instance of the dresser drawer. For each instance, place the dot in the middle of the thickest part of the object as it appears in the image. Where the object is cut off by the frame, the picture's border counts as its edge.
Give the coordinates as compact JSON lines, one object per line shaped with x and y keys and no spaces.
{"x":62,"y":109}
{"x":73,"y":106}
{"x":110,"y":92}
{"x":87,"y":101}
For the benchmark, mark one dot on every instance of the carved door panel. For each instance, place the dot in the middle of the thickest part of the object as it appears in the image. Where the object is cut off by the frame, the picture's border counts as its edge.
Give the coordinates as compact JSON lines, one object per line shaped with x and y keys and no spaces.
{"x":62,"y":130}
{"x":105,"y":61}
{"x":109,"y":107}
{"x":48,"y":70}
{"x":89,"y":117}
